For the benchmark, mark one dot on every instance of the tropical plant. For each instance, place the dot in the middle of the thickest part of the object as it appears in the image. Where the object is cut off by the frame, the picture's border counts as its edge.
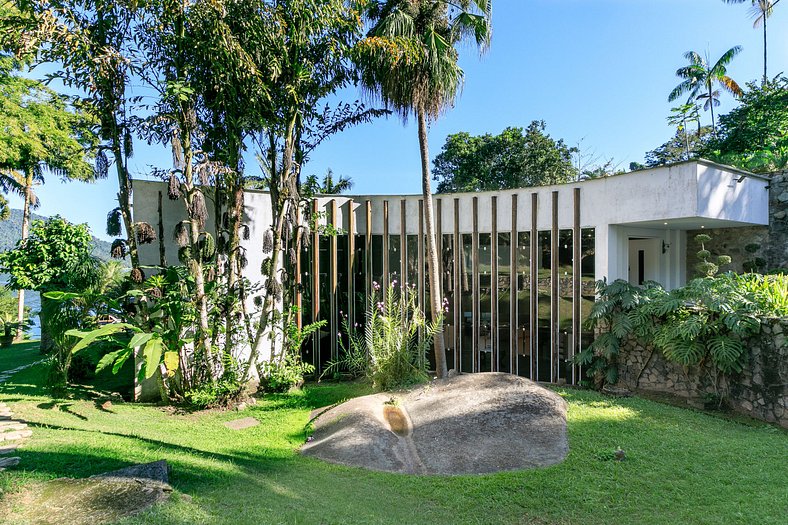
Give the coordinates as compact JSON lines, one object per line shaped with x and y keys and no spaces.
{"x":515,"y":158}
{"x":760,"y":11}
{"x":708,"y":321}
{"x":409,"y":62}
{"x":700,"y":78}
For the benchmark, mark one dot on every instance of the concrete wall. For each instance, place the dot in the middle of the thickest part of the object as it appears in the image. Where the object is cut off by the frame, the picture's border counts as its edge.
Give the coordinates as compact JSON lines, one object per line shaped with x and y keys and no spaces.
{"x":759,"y":391}
{"x":659,"y":203}
{"x":772,"y":238}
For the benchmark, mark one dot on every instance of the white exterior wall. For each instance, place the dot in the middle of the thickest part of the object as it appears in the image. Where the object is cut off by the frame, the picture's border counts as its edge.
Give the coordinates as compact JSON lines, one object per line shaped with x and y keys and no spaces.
{"x":660,"y":203}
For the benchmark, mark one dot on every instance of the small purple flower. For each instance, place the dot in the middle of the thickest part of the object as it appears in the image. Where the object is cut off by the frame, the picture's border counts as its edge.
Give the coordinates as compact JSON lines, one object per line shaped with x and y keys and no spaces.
{"x":310,"y":438}
{"x":394,"y":282}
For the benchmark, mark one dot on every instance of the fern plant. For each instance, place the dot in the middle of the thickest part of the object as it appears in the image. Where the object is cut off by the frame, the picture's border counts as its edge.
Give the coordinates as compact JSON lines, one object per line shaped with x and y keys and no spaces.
{"x":396,"y":339}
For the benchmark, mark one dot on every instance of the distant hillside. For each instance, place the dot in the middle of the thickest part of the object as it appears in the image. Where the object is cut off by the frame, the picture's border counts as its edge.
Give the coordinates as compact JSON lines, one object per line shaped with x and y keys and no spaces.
{"x":11,"y":232}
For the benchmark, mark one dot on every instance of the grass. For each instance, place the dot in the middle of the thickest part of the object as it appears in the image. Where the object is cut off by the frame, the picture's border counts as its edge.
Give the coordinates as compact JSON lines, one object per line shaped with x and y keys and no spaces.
{"x":682,"y":466}
{"x":19,"y":355}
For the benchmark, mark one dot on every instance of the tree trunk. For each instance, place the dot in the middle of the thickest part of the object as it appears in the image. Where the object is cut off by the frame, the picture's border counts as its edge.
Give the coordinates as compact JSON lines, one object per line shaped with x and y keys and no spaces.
{"x":20,"y":298}
{"x":124,"y":201}
{"x":436,"y":297}
{"x":711,"y":107}
{"x":765,"y":77}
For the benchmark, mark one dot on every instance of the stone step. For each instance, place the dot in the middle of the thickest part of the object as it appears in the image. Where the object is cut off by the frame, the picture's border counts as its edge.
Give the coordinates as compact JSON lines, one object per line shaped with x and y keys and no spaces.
{"x":4,"y":417}
{"x":18,"y":434}
{"x":7,"y":426}
{"x":9,"y":462}
{"x":7,"y":449}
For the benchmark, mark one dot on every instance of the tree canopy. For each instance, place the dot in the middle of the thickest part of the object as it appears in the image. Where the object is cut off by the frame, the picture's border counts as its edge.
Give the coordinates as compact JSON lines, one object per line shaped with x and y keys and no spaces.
{"x":46,"y":260}
{"x":515,"y":158}
{"x":753,"y":135}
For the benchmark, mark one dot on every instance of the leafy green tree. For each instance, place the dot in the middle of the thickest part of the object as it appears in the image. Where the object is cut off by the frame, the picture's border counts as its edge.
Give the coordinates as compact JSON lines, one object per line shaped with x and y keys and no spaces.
{"x":56,"y":256}
{"x":760,"y":11}
{"x":89,"y":43}
{"x":679,"y":148}
{"x":680,"y":117}
{"x":700,"y":78}
{"x":42,"y":134}
{"x":409,"y":62}
{"x":512,"y":159}
{"x":753,"y":135}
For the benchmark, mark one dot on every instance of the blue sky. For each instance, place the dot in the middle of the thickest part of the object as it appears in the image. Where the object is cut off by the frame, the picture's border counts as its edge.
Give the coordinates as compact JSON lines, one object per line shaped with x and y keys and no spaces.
{"x":597,"y":71}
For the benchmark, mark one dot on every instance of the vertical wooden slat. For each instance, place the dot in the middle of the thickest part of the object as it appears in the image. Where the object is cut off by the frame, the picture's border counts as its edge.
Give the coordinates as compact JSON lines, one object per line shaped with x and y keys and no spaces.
{"x":368,"y":248}
{"x":457,"y":287}
{"x":316,"y":287}
{"x":475,"y":270}
{"x":555,"y":356}
{"x":514,"y":325}
{"x":439,"y":248}
{"x":534,"y":286}
{"x":494,"y":285}
{"x":439,"y":240}
{"x":334,"y":282}
{"x":162,"y":251}
{"x":385,"y":245}
{"x":351,"y":263}
{"x":577,"y":244}
{"x":403,"y":242}
{"x":420,"y":258}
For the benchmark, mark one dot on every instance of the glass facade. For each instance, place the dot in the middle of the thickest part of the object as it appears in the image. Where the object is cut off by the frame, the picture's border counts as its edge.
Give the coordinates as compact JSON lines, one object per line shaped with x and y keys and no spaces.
{"x":529,"y":330}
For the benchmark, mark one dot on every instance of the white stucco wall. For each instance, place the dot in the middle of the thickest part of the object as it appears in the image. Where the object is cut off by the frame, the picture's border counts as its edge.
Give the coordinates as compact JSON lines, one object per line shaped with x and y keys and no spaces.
{"x":659,"y":203}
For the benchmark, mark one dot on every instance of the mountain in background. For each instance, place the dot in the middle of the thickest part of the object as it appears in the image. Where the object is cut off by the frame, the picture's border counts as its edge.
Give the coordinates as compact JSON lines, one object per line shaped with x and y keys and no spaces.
{"x":11,"y":232}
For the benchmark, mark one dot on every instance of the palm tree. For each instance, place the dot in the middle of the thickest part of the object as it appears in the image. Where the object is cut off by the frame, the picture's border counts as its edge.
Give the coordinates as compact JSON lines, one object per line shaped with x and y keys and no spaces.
{"x":408,"y":61}
{"x":328,"y":187}
{"x":760,"y":10}
{"x":700,"y":79}
{"x":42,"y":134}
{"x":23,"y":185}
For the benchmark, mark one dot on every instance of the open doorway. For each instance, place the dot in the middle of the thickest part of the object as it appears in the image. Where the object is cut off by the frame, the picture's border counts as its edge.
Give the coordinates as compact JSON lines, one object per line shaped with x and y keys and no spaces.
{"x":644,"y":260}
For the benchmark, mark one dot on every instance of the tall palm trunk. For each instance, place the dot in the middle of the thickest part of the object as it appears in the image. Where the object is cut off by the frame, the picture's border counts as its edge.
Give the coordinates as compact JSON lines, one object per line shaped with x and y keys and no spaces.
{"x":432,"y":252}
{"x":765,"y":77}
{"x":711,"y":107}
{"x":25,"y":233}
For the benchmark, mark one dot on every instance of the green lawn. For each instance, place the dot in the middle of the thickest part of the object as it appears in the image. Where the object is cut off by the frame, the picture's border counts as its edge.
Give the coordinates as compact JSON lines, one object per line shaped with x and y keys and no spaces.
{"x":682,"y":466}
{"x":19,"y":355}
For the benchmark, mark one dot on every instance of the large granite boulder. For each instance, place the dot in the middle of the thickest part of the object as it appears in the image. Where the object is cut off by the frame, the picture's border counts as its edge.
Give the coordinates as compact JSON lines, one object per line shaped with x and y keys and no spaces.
{"x":469,"y":424}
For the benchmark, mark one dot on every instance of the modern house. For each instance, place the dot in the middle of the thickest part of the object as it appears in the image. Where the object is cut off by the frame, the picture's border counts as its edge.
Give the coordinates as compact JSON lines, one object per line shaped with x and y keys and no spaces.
{"x":518,"y":266}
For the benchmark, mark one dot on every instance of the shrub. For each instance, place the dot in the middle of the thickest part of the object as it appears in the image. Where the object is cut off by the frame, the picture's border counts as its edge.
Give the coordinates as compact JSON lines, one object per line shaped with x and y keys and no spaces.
{"x":219,"y":394}
{"x":286,"y":371}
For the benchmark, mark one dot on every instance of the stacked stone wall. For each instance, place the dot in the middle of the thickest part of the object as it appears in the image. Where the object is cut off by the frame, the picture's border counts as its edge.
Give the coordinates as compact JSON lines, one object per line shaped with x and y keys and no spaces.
{"x":759,"y":391}
{"x":772,"y":240}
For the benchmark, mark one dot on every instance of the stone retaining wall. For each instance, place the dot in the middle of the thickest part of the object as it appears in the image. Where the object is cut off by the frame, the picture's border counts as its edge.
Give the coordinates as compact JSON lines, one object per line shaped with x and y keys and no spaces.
{"x":759,"y":391}
{"x":772,"y":239}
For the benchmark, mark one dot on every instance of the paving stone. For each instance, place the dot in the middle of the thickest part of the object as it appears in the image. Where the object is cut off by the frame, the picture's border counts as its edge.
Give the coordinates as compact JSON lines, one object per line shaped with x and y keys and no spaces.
{"x":7,"y":449}
{"x":12,"y":436}
{"x":240,"y":424}
{"x":7,"y":426}
{"x":9,"y":462}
